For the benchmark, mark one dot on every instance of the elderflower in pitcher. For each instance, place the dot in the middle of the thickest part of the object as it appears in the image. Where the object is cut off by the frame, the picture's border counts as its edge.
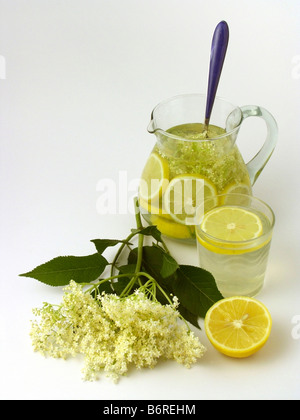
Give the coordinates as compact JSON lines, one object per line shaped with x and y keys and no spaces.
{"x":189,"y":165}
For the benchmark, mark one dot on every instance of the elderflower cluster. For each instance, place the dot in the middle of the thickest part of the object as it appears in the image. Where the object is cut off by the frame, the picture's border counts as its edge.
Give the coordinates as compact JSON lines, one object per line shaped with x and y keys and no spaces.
{"x":112,"y":332}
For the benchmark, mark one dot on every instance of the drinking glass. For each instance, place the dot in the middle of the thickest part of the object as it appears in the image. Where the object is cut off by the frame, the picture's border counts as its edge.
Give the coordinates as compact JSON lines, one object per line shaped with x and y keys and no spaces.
{"x":238,"y":266}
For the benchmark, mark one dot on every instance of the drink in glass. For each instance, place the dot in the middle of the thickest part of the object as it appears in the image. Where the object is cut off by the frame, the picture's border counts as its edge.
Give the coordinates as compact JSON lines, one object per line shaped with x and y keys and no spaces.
{"x":233,"y":241}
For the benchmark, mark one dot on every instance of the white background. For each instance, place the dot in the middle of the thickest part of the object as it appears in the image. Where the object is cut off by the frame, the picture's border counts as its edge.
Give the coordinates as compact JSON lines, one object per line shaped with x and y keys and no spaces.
{"x":80,"y":80}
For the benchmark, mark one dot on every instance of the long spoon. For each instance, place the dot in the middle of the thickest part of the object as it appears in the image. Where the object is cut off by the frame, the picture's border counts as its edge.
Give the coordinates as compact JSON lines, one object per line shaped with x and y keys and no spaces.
{"x":217,"y":56}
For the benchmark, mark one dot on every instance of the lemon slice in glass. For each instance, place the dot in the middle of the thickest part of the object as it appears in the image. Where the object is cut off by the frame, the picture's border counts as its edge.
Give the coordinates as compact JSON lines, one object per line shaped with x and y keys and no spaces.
{"x":230,"y":223}
{"x":154,"y":178}
{"x":238,"y":326}
{"x":185,"y":194}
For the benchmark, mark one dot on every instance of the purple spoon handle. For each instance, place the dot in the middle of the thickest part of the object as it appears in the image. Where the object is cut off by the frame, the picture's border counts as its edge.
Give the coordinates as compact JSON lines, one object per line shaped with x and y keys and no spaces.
{"x":217,"y":56}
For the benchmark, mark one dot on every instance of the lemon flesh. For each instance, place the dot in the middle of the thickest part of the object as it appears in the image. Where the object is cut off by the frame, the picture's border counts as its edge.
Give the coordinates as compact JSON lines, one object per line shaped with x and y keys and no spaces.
{"x":185,"y":194}
{"x":238,"y":326}
{"x":154,"y":178}
{"x":236,"y":188}
{"x":172,"y":229}
{"x":230,"y":223}
{"x":154,"y":208}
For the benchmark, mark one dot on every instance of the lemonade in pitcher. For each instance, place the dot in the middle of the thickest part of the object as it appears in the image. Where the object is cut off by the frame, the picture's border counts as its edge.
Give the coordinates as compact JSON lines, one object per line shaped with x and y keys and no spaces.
{"x":177,"y":181}
{"x":189,"y":165}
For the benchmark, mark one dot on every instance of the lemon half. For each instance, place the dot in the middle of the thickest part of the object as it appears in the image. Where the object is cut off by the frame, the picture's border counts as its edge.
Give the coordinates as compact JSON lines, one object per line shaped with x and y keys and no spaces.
{"x":238,"y":326}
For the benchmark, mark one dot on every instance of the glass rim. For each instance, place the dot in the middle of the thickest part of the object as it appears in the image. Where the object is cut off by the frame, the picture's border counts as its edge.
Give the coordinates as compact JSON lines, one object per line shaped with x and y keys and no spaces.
{"x":244,"y":243}
{"x":200,"y":95}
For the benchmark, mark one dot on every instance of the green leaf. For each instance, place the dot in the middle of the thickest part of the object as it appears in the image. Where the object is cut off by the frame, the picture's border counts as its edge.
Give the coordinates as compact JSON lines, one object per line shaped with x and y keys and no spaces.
{"x":149,"y":231}
{"x":160,"y":265}
{"x":156,"y":262}
{"x":163,"y":268}
{"x":60,"y":270}
{"x":102,"y":244}
{"x":169,"y":265}
{"x":196,"y":289}
{"x":127,"y":269}
{"x":188,"y":316}
{"x":120,"y":284}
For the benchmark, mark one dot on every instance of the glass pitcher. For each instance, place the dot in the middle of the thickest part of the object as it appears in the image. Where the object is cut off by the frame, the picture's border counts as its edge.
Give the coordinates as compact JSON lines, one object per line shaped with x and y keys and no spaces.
{"x":188,"y":165}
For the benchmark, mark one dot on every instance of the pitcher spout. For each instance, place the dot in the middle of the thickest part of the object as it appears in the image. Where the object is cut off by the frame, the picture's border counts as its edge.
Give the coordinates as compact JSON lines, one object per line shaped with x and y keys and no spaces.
{"x":151,"y":128}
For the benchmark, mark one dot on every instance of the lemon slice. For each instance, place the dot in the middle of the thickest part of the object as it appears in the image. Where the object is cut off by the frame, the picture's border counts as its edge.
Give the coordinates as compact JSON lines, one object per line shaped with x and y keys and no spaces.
{"x":154,"y":178}
{"x":230,"y":223}
{"x":184,"y":195}
{"x":234,"y":188}
{"x":238,"y":326}
{"x":154,"y":208}
{"x":173,"y":230}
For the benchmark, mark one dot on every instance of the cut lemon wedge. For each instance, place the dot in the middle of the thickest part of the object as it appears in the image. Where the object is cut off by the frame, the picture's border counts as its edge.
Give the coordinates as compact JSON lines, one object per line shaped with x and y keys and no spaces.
{"x":230,"y":223}
{"x":184,"y":195}
{"x":154,"y":178}
{"x":238,"y":326}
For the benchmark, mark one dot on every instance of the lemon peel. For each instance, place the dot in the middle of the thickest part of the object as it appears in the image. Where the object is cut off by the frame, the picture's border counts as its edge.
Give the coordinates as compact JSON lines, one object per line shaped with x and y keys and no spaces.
{"x":238,"y":326}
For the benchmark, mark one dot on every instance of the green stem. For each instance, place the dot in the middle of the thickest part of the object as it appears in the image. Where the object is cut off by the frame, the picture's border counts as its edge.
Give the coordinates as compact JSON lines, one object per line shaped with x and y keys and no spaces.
{"x":171,"y":303}
{"x":126,"y":241}
{"x":95,"y":285}
{"x":129,"y":237}
{"x":165,"y":246}
{"x":129,"y":286}
{"x":140,"y":251}
{"x":164,"y":293}
{"x":136,"y":276}
{"x":139,"y":225}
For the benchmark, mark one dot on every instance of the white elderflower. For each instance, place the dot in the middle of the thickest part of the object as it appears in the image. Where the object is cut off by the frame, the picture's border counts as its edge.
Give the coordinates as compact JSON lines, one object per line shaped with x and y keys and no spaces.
{"x":113,"y":333}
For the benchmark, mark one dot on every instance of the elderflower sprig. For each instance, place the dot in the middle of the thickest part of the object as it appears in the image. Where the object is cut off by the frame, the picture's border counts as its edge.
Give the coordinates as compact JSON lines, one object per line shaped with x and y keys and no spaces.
{"x":113,"y":333}
{"x":195,"y":288}
{"x":149,"y":289}
{"x":134,"y":316}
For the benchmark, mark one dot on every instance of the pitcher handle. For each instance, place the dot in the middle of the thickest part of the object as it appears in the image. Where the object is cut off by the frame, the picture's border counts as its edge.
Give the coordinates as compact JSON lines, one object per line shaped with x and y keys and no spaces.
{"x":259,"y":161}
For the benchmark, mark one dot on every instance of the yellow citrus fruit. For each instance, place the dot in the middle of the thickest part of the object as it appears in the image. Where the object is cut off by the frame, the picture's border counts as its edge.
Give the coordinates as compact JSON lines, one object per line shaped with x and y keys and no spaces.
{"x":184,"y":195}
{"x":238,"y":326}
{"x":235,"y":188}
{"x":154,"y":207}
{"x":172,"y":229}
{"x":230,"y":223}
{"x":154,"y":178}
